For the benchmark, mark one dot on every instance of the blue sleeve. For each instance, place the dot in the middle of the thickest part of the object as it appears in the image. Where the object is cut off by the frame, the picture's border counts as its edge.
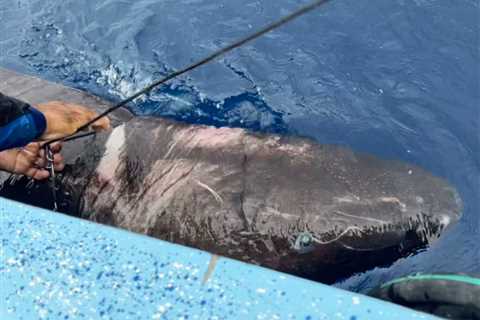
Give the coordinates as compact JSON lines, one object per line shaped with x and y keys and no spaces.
{"x":23,"y":130}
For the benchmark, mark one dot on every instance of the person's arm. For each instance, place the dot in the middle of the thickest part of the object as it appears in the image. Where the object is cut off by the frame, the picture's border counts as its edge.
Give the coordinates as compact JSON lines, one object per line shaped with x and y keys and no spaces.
{"x":19,"y":123}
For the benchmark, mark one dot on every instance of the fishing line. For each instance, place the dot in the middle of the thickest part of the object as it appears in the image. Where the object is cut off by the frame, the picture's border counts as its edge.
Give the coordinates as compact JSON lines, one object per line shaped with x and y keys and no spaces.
{"x":74,"y":136}
{"x":300,"y":12}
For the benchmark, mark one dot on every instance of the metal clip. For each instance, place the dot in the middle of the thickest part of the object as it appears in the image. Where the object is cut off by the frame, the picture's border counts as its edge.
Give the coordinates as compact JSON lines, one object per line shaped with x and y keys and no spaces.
{"x":50,"y":167}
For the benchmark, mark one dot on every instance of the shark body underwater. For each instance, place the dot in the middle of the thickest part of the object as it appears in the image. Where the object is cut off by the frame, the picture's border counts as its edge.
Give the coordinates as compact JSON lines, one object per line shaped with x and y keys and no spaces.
{"x":318,"y":211}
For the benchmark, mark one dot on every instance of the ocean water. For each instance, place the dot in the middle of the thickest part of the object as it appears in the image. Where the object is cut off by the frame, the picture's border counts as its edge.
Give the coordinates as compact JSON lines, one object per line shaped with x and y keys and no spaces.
{"x":397,"y":78}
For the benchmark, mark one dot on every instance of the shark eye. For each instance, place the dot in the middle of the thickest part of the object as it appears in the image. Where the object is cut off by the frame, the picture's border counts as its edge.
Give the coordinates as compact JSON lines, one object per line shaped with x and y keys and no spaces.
{"x":304,"y":242}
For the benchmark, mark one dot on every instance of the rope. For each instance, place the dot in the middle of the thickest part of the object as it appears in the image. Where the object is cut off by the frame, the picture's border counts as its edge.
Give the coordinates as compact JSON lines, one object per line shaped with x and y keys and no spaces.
{"x":300,"y":12}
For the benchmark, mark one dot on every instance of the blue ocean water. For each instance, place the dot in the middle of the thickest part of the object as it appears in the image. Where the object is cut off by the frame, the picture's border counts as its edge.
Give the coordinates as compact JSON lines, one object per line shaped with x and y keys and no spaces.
{"x":398,"y":78}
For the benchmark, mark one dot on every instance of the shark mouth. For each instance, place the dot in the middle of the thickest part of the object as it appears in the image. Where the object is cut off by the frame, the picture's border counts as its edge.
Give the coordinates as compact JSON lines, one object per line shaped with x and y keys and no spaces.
{"x":332,"y":256}
{"x":426,"y":228}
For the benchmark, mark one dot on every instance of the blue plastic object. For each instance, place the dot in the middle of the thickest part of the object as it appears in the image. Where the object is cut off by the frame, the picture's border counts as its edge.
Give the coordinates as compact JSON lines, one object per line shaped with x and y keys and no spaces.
{"x":56,"y":267}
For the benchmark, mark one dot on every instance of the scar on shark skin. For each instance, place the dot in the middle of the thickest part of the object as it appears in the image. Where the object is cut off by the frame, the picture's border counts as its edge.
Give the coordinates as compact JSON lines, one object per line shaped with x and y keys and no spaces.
{"x":209,"y":189}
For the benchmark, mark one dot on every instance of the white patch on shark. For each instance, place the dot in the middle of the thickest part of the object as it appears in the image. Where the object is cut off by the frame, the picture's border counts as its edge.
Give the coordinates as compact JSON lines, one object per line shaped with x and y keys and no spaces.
{"x":111,"y":159}
{"x":445,"y":220}
{"x":346,"y":199}
{"x":419,"y":200}
{"x":394,"y":200}
{"x":210,"y":137}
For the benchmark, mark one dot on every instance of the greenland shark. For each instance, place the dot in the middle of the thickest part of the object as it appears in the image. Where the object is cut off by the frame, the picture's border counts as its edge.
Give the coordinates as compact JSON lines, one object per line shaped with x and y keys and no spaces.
{"x":289,"y":203}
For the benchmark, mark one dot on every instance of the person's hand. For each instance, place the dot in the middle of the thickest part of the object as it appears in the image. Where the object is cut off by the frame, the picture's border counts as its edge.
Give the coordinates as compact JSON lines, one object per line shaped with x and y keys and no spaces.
{"x":30,"y":160}
{"x":65,"y":118}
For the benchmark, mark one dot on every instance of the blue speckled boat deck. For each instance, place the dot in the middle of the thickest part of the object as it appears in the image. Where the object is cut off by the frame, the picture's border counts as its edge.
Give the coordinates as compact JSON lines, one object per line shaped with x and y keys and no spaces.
{"x":57,"y":267}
